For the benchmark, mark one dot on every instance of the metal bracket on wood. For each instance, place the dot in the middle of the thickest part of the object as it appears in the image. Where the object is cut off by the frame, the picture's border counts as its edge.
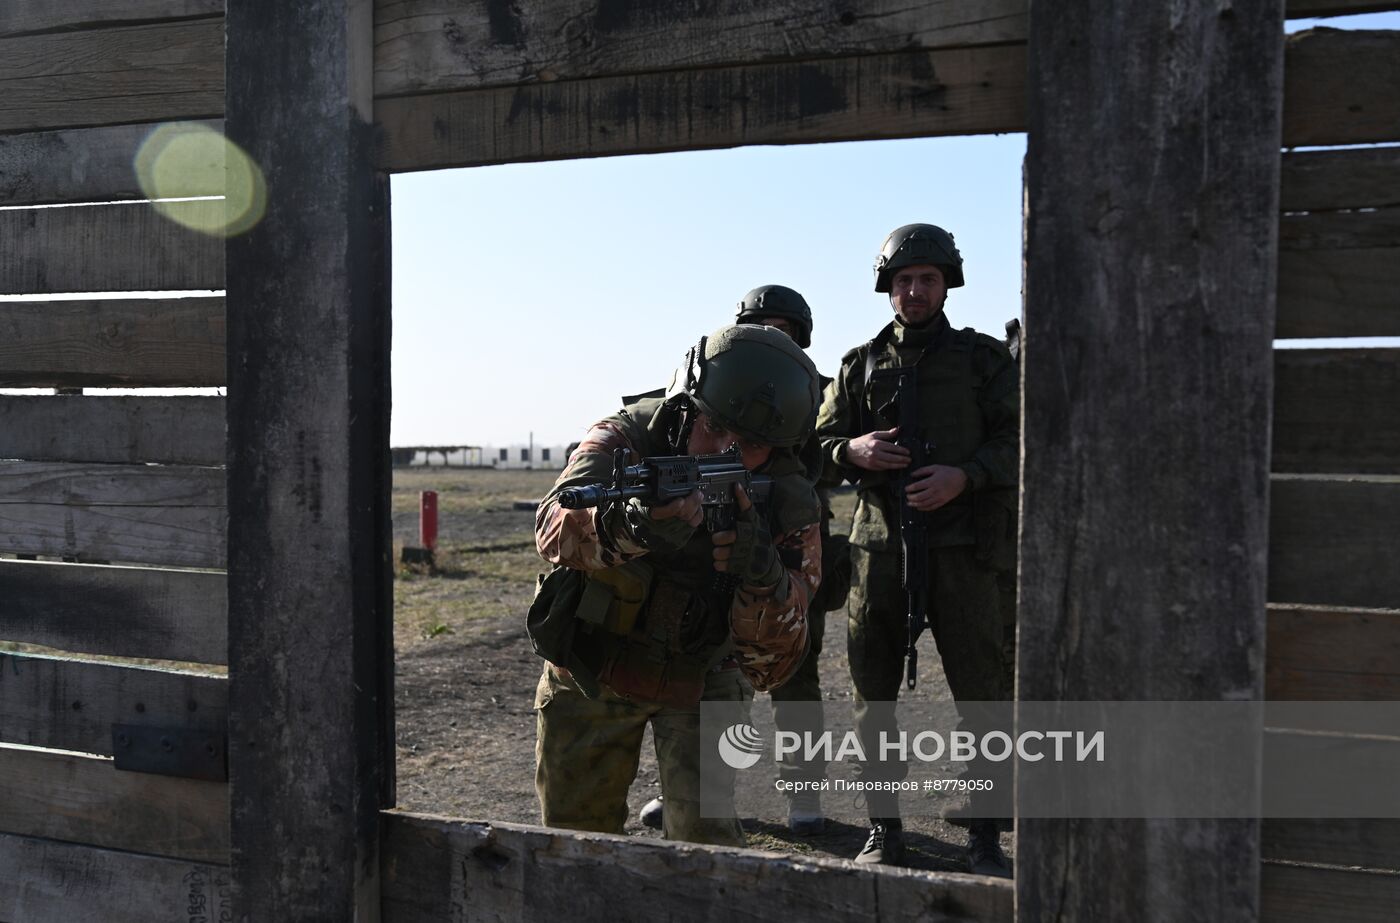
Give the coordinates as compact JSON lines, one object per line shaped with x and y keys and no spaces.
{"x":190,"y":754}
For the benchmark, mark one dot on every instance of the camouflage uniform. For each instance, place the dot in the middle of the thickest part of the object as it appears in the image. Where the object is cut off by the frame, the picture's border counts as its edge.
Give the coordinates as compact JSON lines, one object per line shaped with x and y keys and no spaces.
{"x":805,"y":685}
{"x":968,"y":396}
{"x":587,"y":749}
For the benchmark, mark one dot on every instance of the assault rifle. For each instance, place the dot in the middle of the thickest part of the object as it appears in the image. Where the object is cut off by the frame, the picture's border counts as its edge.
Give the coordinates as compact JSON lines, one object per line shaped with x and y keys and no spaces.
{"x":903,"y":408}
{"x":664,"y":478}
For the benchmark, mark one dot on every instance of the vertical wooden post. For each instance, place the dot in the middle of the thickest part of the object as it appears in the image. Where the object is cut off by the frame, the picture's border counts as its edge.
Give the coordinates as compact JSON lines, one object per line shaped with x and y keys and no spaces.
{"x":309,"y":569}
{"x":1152,"y":190}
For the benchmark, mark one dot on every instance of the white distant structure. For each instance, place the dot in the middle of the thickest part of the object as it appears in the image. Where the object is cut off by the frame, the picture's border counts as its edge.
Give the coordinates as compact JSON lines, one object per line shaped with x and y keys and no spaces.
{"x":518,"y":456}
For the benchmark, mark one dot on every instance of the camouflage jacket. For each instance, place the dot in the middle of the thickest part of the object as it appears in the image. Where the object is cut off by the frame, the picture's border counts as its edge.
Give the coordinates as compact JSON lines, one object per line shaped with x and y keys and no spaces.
{"x":768,"y":633}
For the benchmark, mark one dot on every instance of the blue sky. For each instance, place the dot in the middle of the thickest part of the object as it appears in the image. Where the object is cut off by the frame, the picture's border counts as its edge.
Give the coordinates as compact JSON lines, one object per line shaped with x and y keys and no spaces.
{"x":530,"y":297}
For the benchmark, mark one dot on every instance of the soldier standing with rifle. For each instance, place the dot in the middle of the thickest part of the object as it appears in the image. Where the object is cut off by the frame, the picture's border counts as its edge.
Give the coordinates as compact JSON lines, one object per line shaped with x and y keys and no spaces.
{"x":924,"y":420}
{"x":647,"y":612}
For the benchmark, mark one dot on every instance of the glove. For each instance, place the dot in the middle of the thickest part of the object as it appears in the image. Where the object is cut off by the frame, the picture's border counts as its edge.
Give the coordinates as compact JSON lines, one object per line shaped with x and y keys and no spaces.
{"x":665,"y":534}
{"x":752,"y":558}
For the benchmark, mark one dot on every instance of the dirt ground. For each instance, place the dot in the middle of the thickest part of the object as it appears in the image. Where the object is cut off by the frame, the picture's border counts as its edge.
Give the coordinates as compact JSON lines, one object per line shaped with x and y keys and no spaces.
{"x":466,"y":675}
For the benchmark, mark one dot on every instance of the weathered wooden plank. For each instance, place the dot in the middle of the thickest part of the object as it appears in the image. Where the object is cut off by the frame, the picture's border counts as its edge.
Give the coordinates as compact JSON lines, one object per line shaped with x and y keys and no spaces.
{"x":1299,"y":9}
{"x":1153,"y":127}
{"x":1339,"y":87}
{"x":1373,"y":844}
{"x":438,"y":45}
{"x":1339,"y":293}
{"x":116,"y":611}
{"x":136,"y":514}
{"x":23,"y":16}
{"x":1348,"y":178}
{"x":154,"y":342}
{"x":443,"y":869}
{"x":897,"y":95}
{"x":120,"y":248}
{"x":1347,"y":230}
{"x":85,"y":799}
{"x":1333,"y":654}
{"x":153,"y":72}
{"x":48,"y":882}
{"x":1337,"y":411}
{"x":1332,"y":541}
{"x":121,"y":430}
{"x":308,"y":469}
{"x":69,"y":704}
{"x":95,"y":165}
{"x":1306,"y":894}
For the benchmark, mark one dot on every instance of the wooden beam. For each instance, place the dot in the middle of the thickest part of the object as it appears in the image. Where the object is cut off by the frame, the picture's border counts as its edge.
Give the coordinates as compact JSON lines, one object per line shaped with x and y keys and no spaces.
{"x":68,"y":704}
{"x":443,"y":869}
{"x":1346,"y":230}
{"x":1130,"y":359}
{"x":129,"y":513}
{"x":1339,"y":293}
{"x":93,"y":165}
{"x":1332,"y":541}
{"x":308,"y":320}
{"x":895,"y":95}
{"x":1339,"y":87}
{"x":48,"y":882}
{"x":1333,"y":654}
{"x":85,"y":799}
{"x":101,"y":248}
{"x":153,"y":72}
{"x":1299,"y":9}
{"x":116,"y":611}
{"x":18,"y":17}
{"x":425,"y":46}
{"x":1306,"y":894}
{"x":122,"y":430}
{"x":154,"y":343}
{"x":1373,"y":844}
{"x":1337,"y":411}
{"x":1348,"y":178}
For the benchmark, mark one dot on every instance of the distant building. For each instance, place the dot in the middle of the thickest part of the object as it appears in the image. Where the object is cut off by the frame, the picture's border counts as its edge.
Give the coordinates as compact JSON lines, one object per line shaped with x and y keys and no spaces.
{"x":516,"y":456}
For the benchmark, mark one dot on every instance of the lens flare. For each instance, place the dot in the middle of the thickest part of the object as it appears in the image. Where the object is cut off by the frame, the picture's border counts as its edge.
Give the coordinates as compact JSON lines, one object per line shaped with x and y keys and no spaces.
{"x":186,"y":159}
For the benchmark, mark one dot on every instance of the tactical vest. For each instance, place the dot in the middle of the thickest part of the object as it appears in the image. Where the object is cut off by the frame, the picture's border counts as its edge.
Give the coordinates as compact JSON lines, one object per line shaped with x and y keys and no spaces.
{"x":948,"y":388}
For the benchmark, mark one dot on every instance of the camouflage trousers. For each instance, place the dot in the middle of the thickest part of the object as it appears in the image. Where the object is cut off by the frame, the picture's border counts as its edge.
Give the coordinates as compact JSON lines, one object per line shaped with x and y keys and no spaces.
{"x":587,"y":751}
{"x":964,"y":616}
{"x":804,"y":686}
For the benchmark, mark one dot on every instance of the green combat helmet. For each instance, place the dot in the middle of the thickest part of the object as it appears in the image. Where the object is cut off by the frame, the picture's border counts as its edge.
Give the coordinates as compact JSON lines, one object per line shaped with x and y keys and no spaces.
{"x":753,"y":379}
{"x":778,"y":301}
{"x":918,"y":245}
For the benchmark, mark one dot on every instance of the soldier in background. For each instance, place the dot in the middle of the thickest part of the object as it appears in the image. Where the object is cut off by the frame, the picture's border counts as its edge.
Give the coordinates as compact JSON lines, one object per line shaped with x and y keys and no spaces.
{"x":785,"y":309}
{"x":633,"y":624}
{"x":969,"y":405}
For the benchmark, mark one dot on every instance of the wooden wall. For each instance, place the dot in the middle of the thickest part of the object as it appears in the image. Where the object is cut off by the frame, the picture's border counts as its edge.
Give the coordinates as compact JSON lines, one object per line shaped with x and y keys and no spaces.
{"x":119,"y":503}
{"x":1334,"y":593}
{"x":112,"y":509}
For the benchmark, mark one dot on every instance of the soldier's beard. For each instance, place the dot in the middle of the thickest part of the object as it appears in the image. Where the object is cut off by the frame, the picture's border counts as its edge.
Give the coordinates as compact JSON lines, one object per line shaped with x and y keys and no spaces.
{"x":933,"y":315}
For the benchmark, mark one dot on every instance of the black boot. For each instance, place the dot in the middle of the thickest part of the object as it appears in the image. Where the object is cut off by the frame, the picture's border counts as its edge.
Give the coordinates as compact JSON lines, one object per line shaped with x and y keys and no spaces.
{"x":984,"y":855}
{"x":886,"y":843}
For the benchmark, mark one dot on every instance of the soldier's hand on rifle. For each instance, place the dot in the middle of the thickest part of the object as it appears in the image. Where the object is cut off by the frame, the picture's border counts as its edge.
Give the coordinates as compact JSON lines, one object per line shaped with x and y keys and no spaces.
{"x":666,"y":527}
{"x":747,"y":550}
{"x":934,"y":485}
{"x":877,"y":451}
